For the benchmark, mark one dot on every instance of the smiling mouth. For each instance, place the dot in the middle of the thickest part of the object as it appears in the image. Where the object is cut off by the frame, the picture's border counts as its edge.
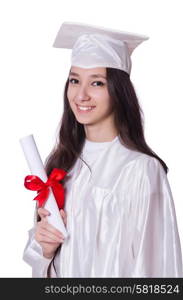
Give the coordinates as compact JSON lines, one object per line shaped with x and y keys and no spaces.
{"x":84,"y":109}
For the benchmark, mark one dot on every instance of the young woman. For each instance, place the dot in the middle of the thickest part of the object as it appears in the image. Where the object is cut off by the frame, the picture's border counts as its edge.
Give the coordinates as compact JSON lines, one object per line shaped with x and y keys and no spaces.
{"x":119,"y":210}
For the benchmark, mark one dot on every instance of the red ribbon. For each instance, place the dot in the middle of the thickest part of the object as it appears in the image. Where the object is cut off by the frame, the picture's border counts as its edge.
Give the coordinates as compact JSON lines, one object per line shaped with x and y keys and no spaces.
{"x":34,"y":183}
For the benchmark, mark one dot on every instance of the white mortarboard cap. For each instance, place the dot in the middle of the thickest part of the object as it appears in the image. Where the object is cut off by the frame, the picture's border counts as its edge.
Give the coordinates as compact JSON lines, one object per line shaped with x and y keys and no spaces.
{"x":94,"y":46}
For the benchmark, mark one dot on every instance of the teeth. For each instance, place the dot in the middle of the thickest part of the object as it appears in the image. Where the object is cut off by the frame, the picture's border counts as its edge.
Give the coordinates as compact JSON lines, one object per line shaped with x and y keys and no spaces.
{"x":85,"y":108}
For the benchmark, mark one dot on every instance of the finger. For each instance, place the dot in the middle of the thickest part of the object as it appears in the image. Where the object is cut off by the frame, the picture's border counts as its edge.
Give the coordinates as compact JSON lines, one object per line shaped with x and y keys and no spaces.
{"x":51,"y":236}
{"x":45,"y":239}
{"x":42,"y":212}
{"x":63,"y":213}
{"x":46,"y":226}
{"x":64,"y":216}
{"x":42,"y":236}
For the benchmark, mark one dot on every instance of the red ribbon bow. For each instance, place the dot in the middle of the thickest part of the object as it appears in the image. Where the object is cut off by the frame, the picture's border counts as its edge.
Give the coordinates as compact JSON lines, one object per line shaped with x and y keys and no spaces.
{"x":34,"y":183}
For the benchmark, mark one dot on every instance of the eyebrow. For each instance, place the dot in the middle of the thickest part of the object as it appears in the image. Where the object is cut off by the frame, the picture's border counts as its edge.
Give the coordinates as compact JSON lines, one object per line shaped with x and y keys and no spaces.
{"x":92,"y":76}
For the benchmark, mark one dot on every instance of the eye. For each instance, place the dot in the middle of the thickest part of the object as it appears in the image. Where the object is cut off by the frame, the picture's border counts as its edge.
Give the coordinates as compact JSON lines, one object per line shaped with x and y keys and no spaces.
{"x":95,"y":83}
{"x":71,"y":80}
{"x":100,"y":83}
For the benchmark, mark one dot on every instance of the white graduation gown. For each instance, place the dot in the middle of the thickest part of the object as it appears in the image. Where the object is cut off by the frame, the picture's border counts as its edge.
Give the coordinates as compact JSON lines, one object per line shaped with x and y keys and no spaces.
{"x":120,"y":218}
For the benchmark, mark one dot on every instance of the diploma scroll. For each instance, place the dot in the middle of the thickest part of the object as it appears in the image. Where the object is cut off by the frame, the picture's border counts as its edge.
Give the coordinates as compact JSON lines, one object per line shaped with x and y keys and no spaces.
{"x":37,"y":168}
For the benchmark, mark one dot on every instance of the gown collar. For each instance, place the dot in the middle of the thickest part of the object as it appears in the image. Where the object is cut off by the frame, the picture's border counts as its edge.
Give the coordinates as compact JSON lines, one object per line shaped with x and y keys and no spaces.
{"x":90,"y":146}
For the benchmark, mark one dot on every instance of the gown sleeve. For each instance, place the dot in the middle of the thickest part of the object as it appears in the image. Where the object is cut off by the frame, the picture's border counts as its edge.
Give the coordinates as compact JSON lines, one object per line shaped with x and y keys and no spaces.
{"x":34,"y":257}
{"x":156,"y":244}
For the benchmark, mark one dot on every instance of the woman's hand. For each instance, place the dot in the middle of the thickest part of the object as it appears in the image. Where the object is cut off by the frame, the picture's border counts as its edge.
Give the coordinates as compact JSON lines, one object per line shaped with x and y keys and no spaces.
{"x":48,"y":236}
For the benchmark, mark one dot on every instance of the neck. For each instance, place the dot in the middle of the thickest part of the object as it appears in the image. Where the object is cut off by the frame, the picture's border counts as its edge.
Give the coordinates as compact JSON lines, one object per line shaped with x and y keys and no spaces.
{"x":98,"y":133}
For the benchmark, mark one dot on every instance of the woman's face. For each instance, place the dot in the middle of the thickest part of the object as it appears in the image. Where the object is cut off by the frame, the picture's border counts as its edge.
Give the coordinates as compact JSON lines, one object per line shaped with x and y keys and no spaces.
{"x":88,"y":95}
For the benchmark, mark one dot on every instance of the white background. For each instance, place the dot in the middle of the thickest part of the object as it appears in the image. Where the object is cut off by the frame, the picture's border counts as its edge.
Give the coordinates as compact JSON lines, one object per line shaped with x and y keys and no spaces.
{"x":32,"y":77}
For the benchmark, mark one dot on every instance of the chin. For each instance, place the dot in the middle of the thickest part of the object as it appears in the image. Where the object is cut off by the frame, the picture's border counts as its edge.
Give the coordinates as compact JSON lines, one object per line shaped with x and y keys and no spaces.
{"x":84,"y":122}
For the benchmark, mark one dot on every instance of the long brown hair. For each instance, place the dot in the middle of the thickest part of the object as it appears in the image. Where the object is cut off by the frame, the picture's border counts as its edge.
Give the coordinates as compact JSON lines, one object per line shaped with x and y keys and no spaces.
{"x":128,"y":120}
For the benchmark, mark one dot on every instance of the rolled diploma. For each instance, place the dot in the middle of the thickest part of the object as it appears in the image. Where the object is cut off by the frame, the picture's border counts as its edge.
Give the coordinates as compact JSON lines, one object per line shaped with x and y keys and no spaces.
{"x":37,"y":168}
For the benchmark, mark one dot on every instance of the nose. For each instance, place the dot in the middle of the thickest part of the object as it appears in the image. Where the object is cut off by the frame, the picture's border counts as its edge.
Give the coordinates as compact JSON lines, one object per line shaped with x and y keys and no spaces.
{"x":82,"y":94}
